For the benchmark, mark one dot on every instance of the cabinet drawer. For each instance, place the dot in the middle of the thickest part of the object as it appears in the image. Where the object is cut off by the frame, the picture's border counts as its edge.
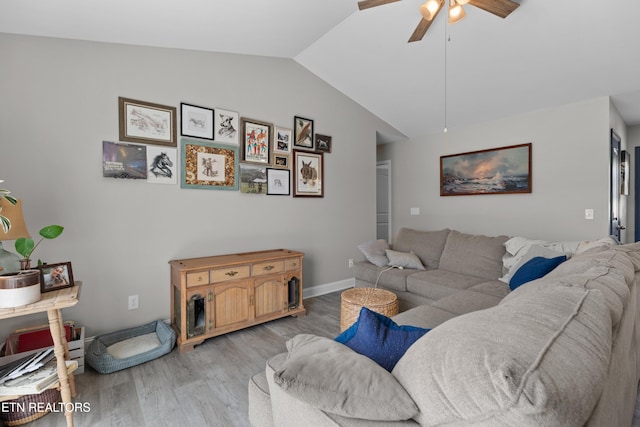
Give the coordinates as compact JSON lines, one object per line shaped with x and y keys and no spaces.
{"x":268,"y":268}
{"x":292,"y":264}
{"x":197,"y":278}
{"x":231,"y":273}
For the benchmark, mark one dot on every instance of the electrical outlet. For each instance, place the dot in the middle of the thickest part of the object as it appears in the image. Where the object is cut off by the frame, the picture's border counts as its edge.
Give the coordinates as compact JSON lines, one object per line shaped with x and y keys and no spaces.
{"x":133,"y":302}
{"x":588,"y":214}
{"x":350,"y":262}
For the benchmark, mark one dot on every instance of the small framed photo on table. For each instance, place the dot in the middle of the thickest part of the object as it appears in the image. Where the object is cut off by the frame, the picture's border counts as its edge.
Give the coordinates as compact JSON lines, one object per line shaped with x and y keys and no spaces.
{"x":54,"y":277}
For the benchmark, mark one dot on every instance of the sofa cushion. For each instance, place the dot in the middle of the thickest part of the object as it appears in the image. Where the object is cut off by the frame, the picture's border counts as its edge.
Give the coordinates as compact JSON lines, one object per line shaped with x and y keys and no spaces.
{"x":374,"y":252}
{"x":532,"y":370}
{"x":473,"y":255}
{"x":404,"y":259}
{"x":394,"y":279}
{"x":533,"y":269}
{"x":466,"y":301}
{"x":379,"y":338}
{"x":493,"y":287}
{"x":436,"y":284}
{"x":423,"y":316}
{"x":427,"y":245}
{"x":330,"y":376}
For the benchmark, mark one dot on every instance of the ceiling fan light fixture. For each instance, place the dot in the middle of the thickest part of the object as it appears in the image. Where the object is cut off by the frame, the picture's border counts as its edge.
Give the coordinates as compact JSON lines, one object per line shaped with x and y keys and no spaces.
{"x":462,"y":2}
{"x":456,"y":12}
{"x":429,"y":9}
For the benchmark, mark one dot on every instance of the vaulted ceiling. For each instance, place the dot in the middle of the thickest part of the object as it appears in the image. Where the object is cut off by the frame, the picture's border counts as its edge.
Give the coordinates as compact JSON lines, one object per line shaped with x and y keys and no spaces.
{"x":546,"y":53}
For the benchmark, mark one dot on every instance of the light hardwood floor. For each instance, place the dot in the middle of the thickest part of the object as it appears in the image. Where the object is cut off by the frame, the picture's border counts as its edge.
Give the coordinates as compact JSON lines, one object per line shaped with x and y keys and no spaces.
{"x":204,"y":387}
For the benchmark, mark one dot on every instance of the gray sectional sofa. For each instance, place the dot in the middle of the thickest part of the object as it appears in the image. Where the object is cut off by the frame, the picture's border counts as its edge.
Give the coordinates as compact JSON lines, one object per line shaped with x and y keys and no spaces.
{"x":561,"y":350}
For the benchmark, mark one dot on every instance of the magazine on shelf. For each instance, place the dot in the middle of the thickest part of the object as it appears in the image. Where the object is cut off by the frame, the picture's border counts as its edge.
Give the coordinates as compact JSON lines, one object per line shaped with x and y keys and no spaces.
{"x":25,"y":365}
{"x":36,"y":381}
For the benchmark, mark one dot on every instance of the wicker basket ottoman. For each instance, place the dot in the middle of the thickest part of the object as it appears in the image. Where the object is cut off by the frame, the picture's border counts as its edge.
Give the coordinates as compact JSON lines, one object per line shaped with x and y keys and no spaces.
{"x":378,"y":300}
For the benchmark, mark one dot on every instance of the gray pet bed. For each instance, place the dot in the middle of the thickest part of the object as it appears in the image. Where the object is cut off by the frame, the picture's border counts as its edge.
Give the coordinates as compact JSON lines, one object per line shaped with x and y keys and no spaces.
{"x":130,"y":347}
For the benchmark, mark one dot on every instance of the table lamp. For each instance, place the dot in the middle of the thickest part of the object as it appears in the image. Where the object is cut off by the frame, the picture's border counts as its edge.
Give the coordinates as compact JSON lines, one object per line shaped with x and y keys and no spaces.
{"x":10,"y":262}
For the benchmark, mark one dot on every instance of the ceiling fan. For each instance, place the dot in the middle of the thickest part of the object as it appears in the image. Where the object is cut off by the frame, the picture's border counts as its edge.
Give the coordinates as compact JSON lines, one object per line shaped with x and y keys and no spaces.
{"x":430,"y":9}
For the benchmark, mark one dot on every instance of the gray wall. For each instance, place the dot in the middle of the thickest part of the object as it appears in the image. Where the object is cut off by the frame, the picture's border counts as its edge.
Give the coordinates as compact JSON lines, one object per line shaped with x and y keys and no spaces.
{"x":60,"y":101}
{"x":570,"y":173}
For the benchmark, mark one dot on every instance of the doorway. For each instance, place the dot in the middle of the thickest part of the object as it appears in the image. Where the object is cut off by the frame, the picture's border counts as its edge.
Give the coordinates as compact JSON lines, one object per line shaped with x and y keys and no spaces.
{"x":615,"y":225}
{"x":383,"y":200}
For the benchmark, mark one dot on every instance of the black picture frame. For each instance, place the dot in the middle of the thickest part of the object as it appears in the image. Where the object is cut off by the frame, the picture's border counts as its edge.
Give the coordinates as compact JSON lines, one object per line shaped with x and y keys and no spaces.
{"x":54,"y":277}
{"x":303,"y":132}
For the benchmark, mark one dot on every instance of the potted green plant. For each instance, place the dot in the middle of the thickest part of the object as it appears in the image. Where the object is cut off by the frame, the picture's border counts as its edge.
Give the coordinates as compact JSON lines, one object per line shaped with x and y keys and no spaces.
{"x":25,"y":245}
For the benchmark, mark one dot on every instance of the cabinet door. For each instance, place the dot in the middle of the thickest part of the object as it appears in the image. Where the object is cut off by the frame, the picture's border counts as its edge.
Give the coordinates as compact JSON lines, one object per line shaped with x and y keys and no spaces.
{"x":231,"y":304}
{"x":269,"y":295}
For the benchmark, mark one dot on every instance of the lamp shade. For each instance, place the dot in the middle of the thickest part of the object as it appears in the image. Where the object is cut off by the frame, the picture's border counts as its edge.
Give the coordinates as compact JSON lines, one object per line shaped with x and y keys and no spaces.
{"x":456,"y":13}
{"x":14,"y":214}
{"x":430,"y":8}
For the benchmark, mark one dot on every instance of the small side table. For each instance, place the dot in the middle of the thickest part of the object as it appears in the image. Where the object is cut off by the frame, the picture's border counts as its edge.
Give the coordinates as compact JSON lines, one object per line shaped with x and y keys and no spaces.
{"x":378,"y":300}
{"x":53,"y":302}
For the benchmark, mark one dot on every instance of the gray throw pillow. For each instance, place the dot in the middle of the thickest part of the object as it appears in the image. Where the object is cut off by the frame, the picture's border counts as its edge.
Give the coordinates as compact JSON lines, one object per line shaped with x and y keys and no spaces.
{"x":373,"y":251}
{"x":330,"y":376}
{"x":404,"y":260}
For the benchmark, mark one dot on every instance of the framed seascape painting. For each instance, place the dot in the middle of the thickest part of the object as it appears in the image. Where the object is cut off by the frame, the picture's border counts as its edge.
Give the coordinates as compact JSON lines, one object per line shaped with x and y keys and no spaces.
{"x":208,"y":165}
{"x":256,"y":141}
{"x":196,"y":121}
{"x":303,"y":132}
{"x":504,"y":170}
{"x":309,"y":174}
{"x":147,"y":123}
{"x":226,"y":125}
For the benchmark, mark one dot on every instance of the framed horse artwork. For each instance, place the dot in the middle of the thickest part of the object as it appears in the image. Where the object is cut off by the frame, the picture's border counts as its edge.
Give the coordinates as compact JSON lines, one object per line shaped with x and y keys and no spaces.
{"x":162,"y":165}
{"x":309,"y":174}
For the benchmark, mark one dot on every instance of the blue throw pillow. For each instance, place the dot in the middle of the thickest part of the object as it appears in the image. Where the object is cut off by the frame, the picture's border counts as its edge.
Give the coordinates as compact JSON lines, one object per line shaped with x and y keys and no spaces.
{"x":534,"y":269}
{"x":380,"y":338}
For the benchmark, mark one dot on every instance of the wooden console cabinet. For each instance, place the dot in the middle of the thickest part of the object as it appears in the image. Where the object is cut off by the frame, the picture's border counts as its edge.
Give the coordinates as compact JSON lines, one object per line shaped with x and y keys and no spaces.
{"x":214,"y":295}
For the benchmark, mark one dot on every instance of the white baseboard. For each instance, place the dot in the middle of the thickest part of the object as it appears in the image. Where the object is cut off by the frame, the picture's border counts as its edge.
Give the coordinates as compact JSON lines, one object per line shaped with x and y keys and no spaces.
{"x":327,"y":288}
{"x":314,"y":291}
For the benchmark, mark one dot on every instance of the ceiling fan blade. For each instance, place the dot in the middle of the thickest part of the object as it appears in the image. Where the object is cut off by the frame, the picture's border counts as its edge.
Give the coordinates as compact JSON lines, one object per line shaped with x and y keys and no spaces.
{"x":420,"y":30}
{"x":501,"y":8}
{"x":366,"y":4}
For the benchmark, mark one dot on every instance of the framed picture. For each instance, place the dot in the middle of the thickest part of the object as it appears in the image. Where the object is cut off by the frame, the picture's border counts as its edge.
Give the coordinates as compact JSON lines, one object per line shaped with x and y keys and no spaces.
{"x":309,"y":174}
{"x":323,"y":143}
{"x":256,"y":141}
{"x":303,"y":132}
{"x":196,"y":121}
{"x":207,"y":165}
{"x":282,"y":143}
{"x":225,"y":126}
{"x":55,"y":276}
{"x":278,"y":182}
{"x":162,"y":165}
{"x":503,"y":170}
{"x":253,"y":178}
{"x":280,"y":161}
{"x":147,"y":123}
{"x":124,"y":160}
{"x":624,"y":172}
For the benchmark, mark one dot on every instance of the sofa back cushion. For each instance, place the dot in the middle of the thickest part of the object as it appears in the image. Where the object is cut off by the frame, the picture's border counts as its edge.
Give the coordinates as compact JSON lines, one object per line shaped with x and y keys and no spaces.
{"x":427,"y":245}
{"x":511,"y":365}
{"x":473,"y":255}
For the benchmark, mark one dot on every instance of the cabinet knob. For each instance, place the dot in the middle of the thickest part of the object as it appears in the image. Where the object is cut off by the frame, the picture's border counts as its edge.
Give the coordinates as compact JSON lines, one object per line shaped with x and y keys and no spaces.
{"x":269,"y":267}
{"x":231,"y":273}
